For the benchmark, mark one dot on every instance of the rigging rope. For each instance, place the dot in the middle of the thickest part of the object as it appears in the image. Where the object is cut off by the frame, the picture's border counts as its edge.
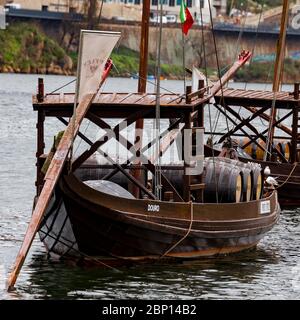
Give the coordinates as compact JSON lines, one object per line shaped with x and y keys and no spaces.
{"x":63,"y":86}
{"x":151,"y":82}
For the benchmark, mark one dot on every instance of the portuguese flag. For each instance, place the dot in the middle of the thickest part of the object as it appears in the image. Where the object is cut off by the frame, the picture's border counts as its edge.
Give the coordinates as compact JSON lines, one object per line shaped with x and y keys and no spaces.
{"x":185,"y":18}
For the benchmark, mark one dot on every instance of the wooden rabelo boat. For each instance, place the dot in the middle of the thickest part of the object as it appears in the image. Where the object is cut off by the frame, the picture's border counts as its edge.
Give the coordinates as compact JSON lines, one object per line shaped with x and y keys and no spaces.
{"x":140,"y":210}
{"x":102,"y":219}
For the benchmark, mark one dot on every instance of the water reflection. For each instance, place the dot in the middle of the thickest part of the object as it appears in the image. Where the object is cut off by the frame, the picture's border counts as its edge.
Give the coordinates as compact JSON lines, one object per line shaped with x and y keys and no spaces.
{"x":190,"y":279}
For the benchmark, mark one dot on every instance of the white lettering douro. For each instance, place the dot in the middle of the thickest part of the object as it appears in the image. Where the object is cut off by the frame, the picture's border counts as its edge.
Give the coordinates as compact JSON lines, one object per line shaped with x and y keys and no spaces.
{"x":153,"y":207}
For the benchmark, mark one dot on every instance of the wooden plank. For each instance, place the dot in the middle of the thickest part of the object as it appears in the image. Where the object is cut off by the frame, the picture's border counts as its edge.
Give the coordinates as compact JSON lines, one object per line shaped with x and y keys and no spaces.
{"x":198,"y":186}
{"x":51,"y":179}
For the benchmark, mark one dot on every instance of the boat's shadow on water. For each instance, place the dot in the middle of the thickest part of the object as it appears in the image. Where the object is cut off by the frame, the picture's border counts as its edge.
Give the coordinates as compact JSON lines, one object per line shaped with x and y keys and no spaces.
{"x":187,"y":279}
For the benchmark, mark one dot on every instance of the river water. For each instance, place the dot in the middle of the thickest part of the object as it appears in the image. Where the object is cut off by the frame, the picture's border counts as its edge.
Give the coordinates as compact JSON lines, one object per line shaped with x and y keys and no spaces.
{"x":272,"y":271}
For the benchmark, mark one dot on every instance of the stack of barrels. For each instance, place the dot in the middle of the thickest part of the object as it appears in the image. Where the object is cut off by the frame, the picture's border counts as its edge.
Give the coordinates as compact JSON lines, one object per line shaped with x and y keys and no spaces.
{"x":228,"y":180}
{"x":253,"y":150}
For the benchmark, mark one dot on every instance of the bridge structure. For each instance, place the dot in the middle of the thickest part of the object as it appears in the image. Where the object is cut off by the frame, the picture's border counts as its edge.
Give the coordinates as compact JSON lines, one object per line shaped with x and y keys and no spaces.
{"x":26,"y":14}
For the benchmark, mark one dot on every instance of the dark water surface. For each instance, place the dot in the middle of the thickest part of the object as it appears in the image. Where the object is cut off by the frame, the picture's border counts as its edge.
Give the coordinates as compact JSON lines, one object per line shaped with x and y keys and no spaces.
{"x":271,"y":271}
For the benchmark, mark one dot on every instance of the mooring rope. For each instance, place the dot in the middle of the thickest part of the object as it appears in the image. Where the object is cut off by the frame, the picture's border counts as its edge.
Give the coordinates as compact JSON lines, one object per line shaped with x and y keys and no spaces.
{"x":187,"y":233}
{"x":289,"y":176}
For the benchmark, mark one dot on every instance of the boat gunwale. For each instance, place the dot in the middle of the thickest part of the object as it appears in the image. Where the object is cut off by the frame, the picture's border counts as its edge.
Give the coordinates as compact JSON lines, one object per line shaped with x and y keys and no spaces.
{"x":271,"y":217}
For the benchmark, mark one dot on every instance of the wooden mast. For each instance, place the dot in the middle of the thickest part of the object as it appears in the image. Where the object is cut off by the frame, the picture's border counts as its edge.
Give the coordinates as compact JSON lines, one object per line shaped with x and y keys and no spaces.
{"x":139,"y":126}
{"x":278,"y":68}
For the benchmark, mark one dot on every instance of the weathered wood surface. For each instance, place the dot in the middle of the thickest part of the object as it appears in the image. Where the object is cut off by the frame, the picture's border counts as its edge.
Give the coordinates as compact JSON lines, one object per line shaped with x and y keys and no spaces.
{"x":143,"y":100}
{"x":257,"y":98}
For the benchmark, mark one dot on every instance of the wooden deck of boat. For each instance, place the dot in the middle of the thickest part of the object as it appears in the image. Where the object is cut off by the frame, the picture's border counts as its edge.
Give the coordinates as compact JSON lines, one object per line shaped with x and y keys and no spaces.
{"x":119,"y":103}
{"x":257,"y":98}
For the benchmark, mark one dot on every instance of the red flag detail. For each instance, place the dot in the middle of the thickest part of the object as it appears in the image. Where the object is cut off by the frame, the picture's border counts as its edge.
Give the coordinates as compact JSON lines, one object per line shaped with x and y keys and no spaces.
{"x":188,"y":22}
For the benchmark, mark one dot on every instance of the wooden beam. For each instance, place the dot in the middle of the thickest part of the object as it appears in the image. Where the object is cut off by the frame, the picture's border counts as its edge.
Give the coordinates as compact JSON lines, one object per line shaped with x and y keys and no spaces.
{"x":114,"y":163}
{"x":147,"y":146}
{"x":245,"y":121}
{"x":240,"y":125}
{"x":266,"y":130}
{"x":147,"y":163}
{"x":143,"y":70}
{"x":278,"y":69}
{"x":102,"y":124}
{"x":267,"y":118}
{"x":240,"y":128}
{"x":51,"y":178}
{"x":40,"y":150}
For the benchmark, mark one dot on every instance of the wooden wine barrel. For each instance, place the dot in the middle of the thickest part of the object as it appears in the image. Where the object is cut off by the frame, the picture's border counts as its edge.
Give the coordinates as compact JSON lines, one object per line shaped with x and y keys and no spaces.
{"x":253,"y":149}
{"x":247,"y":173}
{"x":284,"y":147}
{"x":257,"y":153}
{"x":223,"y":181}
{"x":258,"y":185}
{"x":247,"y":188}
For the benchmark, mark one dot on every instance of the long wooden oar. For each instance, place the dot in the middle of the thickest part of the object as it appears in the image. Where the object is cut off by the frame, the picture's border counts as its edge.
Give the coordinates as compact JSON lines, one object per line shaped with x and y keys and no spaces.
{"x":51,"y":179}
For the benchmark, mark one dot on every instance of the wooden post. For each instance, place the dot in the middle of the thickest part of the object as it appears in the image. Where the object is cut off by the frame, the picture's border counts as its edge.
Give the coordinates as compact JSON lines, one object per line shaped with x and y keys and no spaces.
{"x":294,"y":134}
{"x":201,"y":85}
{"x":144,"y":47}
{"x":40,"y":137}
{"x":296,"y":90}
{"x":40,"y":94}
{"x":139,"y":126}
{"x":278,"y":69}
{"x":295,"y":124}
{"x":187,"y":92}
{"x":200,"y":117}
{"x":186,"y":148}
{"x":40,"y":150}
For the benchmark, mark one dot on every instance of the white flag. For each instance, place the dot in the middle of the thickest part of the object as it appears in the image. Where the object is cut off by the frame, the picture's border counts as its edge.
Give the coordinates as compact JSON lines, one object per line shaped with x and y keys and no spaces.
{"x":95,"y":49}
{"x":198,"y":75}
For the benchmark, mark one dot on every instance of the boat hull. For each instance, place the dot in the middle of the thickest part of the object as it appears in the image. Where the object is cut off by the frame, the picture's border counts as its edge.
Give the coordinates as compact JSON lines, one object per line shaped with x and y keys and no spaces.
{"x":100,"y":224}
